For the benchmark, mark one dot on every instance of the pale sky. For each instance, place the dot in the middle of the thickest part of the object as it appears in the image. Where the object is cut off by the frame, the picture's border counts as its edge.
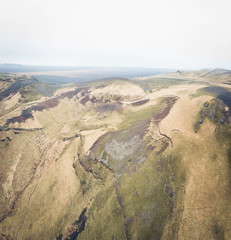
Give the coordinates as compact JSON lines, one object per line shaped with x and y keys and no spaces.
{"x":178,"y":34}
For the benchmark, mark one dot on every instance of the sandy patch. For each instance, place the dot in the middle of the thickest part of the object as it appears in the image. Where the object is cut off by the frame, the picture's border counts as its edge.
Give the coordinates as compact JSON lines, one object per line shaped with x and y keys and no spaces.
{"x":7,"y":186}
{"x":91,"y":137}
{"x":207,"y":182}
{"x":207,"y":186}
{"x":119,"y":88}
{"x":63,"y":90}
{"x":65,"y":129}
{"x":178,"y":90}
{"x":28,"y":124}
{"x":183,"y":115}
{"x":12,"y":101}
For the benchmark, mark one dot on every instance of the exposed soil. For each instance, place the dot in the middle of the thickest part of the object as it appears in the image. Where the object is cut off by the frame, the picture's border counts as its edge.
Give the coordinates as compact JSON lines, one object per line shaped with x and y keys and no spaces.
{"x":109,"y":107}
{"x":141,"y":102}
{"x":69,"y":138}
{"x":27,"y":210}
{"x":78,"y":226}
{"x":214,"y":110}
{"x":84,"y":100}
{"x":160,"y":116}
{"x":222,"y":94}
{"x":50,"y":103}
{"x":27,"y":113}
{"x":73,"y":93}
{"x":170,"y":102}
{"x":13,"y":206}
{"x":98,"y":143}
{"x":14,"y":87}
{"x":164,"y":135}
{"x":21,"y":83}
{"x":20,"y":129}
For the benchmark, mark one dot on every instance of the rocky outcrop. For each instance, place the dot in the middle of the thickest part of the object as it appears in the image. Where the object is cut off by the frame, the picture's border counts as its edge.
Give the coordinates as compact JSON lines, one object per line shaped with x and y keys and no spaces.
{"x":216,"y":111}
{"x":76,"y":228}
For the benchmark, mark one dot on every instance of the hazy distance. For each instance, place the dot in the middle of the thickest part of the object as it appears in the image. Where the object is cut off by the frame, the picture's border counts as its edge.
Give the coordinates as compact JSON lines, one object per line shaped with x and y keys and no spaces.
{"x":172,"y":34}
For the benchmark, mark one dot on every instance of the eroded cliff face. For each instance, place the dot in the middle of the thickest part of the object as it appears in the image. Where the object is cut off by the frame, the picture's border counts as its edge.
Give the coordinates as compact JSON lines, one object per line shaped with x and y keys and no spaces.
{"x":113,"y":160}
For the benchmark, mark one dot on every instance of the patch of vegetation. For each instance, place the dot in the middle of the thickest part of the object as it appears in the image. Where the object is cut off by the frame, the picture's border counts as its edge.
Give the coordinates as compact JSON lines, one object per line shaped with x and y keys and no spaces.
{"x":145,"y":193}
{"x":92,"y":127}
{"x":215,"y":111}
{"x":218,"y":232}
{"x":29,"y":94}
{"x":105,"y":217}
{"x":105,"y":138}
{"x":105,"y":82}
{"x":149,"y":194}
{"x":104,"y":210}
{"x":223,"y":137}
{"x":132,"y":117}
{"x":18,"y":167}
{"x":203,"y":92}
{"x":156,"y":83}
{"x":29,"y":87}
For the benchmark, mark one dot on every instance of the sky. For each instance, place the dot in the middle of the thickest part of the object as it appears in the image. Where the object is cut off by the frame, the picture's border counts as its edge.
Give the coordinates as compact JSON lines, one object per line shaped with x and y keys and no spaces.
{"x":182,"y":34}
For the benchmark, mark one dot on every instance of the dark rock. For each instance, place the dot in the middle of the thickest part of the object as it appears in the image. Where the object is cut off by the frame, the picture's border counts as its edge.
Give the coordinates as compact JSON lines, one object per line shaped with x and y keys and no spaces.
{"x":206,"y":104}
{"x":168,"y":189}
{"x":69,"y":138}
{"x":221,"y":121}
{"x":78,"y":226}
{"x":7,"y":139}
{"x":161,"y":162}
{"x":201,"y":121}
{"x":84,"y":100}
{"x":141,"y":102}
{"x":59,"y":237}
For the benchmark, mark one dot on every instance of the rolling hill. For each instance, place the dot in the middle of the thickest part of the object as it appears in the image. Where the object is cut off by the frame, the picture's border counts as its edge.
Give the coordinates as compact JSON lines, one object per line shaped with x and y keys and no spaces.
{"x":140,"y":158}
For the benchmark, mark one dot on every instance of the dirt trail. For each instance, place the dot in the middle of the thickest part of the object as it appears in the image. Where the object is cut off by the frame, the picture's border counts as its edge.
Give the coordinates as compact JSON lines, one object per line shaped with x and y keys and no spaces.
{"x":28,"y":206}
{"x":40,"y":168}
{"x":160,"y":116}
{"x":30,"y":196}
{"x":164,"y":135}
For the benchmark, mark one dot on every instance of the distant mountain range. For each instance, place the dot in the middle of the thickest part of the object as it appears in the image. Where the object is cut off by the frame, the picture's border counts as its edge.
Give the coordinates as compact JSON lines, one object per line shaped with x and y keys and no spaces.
{"x":16,"y":68}
{"x":217,"y":72}
{"x":216,"y":75}
{"x":67,"y":74}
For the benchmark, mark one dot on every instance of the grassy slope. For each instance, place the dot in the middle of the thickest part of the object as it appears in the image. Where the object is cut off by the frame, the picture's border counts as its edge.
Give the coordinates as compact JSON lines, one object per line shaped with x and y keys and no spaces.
{"x":181,"y":193}
{"x":143,"y":200}
{"x":205,"y":212}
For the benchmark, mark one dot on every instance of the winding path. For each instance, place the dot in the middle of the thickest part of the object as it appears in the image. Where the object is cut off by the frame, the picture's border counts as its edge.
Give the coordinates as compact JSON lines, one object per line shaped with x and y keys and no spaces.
{"x":27,"y":210}
{"x":164,"y":135}
{"x":29,"y":199}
